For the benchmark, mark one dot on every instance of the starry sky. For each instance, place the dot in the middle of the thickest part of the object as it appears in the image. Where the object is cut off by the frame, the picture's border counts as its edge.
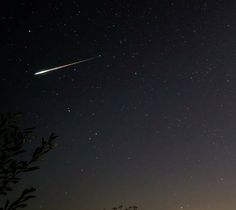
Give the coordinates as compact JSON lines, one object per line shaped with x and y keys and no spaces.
{"x":151,"y":123}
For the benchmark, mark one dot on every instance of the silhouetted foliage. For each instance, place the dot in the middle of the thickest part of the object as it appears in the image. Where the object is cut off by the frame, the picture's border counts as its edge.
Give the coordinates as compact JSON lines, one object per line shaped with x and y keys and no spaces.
{"x":121,"y":207}
{"x":13,"y":140}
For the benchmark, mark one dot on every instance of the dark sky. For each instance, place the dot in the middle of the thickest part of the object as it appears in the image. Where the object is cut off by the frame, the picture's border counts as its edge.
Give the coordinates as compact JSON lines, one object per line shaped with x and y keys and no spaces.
{"x":151,"y":123}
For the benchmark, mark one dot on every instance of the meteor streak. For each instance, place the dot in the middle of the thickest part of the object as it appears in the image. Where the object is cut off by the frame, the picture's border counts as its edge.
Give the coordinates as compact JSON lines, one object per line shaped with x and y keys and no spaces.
{"x":66,"y":65}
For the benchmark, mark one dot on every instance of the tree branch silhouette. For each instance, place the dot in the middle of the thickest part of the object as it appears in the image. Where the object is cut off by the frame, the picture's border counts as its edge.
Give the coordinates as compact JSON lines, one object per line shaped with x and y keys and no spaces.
{"x":13,"y":140}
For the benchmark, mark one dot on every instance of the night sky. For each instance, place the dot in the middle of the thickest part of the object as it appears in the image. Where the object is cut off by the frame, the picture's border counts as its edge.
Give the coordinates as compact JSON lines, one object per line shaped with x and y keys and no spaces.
{"x":152,"y":122}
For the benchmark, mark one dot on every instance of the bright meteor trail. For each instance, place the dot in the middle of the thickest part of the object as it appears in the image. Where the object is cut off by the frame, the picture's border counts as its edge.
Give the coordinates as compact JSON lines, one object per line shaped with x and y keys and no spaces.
{"x":66,"y":65}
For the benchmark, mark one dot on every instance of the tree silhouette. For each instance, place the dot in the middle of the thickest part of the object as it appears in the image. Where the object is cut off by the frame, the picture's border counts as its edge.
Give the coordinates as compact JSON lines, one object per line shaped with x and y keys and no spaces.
{"x":121,"y":207}
{"x":13,"y":140}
